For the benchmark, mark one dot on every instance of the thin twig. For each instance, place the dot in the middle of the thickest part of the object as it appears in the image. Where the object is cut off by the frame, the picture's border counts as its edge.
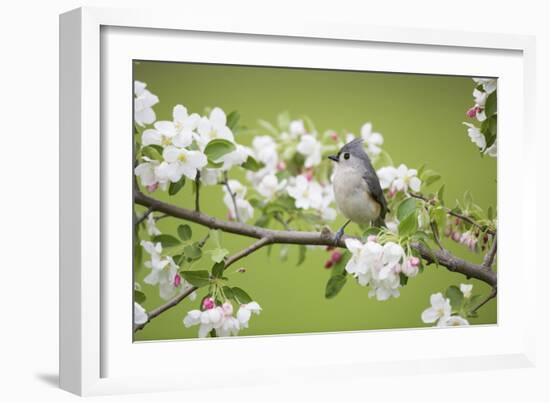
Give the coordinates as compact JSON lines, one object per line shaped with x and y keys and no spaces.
{"x":247,"y":251}
{"x":490,"y":256}
{"x":233,"y":199}
{"x":197,"y":192}
{"x":455,"y":214}
{"x":170,"y":304}
{"x":144,"y":216}
{"x":492,"y":295}
{"x":435,"y":230}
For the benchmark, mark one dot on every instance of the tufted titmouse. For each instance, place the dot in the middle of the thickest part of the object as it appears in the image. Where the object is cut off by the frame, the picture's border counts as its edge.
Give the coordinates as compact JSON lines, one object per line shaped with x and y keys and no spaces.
{"x":357,"y":188}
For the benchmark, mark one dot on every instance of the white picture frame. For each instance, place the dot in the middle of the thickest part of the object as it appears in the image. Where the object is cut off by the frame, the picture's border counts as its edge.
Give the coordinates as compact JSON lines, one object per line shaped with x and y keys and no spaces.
{"x":96,"y":352}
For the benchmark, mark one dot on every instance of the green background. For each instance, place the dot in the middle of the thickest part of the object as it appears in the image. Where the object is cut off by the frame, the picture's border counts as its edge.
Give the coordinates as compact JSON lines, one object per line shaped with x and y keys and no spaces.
{"x":420,"y":117}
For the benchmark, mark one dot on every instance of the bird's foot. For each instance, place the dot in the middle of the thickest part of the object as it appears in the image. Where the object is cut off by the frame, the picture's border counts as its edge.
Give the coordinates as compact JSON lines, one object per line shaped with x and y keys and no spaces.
{"x":338,"y":236}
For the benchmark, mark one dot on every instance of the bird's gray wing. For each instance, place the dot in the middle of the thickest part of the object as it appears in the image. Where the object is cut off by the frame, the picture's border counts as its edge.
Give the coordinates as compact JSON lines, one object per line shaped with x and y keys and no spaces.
{"x":376,"y":192}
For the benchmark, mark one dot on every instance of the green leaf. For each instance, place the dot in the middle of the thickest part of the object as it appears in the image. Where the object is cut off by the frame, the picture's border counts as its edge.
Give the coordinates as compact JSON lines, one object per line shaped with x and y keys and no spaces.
{"x":152,"y":153}
{"x":406,"y":208}
{"x":217,"y":148}
{"x":139,"y":297}
{"x":184,"y":232}
{"x":241,"y":295}
{"x":192,"y":252}
{"x":455,"y":296}
{"x":441,"y":193}
{"x":166,"y":240}
{"x":217,"y":255}
{"x":335,"y":285}
{"x":228,"y":292}
{"x":490,"y":213}
{"x":439,"y":216}
{"x":268,"y":126}
{"x":403,"y":279}
{"x":491,"y":104}
{"x":301,"y":254}
{"x":251,"y":164}
{"x":489,"y":130}
{"x":198,"y":278}
{"x":409,"y":225}
{"x":429,"y":176}
{"x":217,"y":269}
{"x":283,"y":120}
{"x":233,"y":119}
{"x":175,"y":187}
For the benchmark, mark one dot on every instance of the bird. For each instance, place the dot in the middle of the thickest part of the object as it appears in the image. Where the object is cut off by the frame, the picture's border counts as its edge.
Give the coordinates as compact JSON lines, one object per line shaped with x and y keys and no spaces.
{"x":357,"y":190}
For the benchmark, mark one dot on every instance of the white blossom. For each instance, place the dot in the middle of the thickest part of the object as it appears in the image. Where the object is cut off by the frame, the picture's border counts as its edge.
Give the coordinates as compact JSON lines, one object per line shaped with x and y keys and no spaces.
{"x":454,"y":320}
{"x":491,"y":151}
{"x":243,"y":206}
{"x":307,"y":194}
{"x":466,"y":290}
{"x":144,"y":100}
{"x":310,"y":147}
{"x":178,"y":162}
{"x":440,"y":310}
{"x":297,"y":128}
{"x":265,"y":151}
{"x":246,"y":311}
{"x":151,"y":226}
{"x":372,"y":140}
{"x":406,"y":178}
{"x":475,"y":135}
{"x":213,"y":127}
{"x":386,"y":175}
{"x":146,"y":172}
{"x":140,"y":316}
{"x":489,"y":84}
{"x":269,"y":186}
{"x":235,"y":158}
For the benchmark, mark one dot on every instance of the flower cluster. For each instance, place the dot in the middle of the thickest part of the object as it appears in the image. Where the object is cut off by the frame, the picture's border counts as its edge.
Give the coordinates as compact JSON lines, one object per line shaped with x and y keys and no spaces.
{"x":380,"y":266}
{"x":483,"y":111}
{"x":164,"y":272}
{"x":440,"y":313}
{"x":238,"y":207}
{"x":372,"y":140}
{"x":399,"y":179}
{"x":220,"y":319}
{"x":308,"y":193}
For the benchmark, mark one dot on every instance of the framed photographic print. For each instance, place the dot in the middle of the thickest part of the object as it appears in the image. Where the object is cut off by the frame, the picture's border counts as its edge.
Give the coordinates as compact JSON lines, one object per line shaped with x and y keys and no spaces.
{"x":280,"y":199}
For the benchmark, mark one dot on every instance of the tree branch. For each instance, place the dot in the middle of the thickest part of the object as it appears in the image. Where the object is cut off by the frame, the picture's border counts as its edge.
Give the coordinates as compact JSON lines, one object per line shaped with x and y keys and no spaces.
{"x":144,"y":216}
{"x":170,"y":304}
{"x":492,"y":295}
{"x":490,"y":256}
{"x":323,"y":238}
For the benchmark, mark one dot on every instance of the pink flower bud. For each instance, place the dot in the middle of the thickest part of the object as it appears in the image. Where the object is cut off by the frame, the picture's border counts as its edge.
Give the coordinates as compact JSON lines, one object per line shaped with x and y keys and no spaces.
{"x":308,"y":173}
{"x":328,"y":264}
{"x":152,"y":188}
{"x":471,"y":113}
{"x":336,"y":256}
{"x":414,"y":261}
{"x":177,"y":280}
{"x":372,"y":238}
{"x":227,"y":308}
{"x":456,"y":236}
{"x":391,"y":192}
{"x":208,"y":303}
{"x":334,"y":136}
{"x":281,"y":166}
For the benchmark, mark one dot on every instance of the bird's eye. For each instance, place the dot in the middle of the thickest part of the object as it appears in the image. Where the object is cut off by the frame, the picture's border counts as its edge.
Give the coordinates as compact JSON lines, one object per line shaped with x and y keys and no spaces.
{"x":346,"y":156}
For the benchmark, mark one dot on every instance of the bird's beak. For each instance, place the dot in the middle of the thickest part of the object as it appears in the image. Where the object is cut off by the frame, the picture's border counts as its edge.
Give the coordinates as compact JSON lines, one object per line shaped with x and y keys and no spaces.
{"x":333,"y":157}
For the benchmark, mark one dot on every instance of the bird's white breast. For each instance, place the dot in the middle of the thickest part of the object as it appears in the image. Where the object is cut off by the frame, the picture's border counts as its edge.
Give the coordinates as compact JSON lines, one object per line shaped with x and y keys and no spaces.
{"x":351,"y":193}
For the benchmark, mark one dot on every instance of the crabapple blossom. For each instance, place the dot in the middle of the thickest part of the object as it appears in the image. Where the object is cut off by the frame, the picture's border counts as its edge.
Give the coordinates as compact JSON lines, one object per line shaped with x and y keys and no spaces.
{"x":180,"y":161}
{"x":235,"y":158}
{"x":475,"y":135}
{"x":297,"y":128}
{"x":491,"y":151}
{"x":307,"y":194}
{"x":265,"y":151}
{"x":144,"y":100}
{"x":210,"y":176}
{"x":151,"y":226}
{"x":406,"y":178}
{"x":440,"y":310}
{"x":372,"y":140}
{"x":310,"y":147}
{"x":140,"y":316}
{"x":489,"y":84}
{"x":269,"y":186}
{"x":246,"y":311}
{"x":244,"y":208}
{"x":411,"y":266}
{"x":466,"y":290}
{"x":454,"y":320}
{"x":213,"y":127}
{"x":146,"y":172}
{"x":469,"y":240}
{"x":386,"y":175}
